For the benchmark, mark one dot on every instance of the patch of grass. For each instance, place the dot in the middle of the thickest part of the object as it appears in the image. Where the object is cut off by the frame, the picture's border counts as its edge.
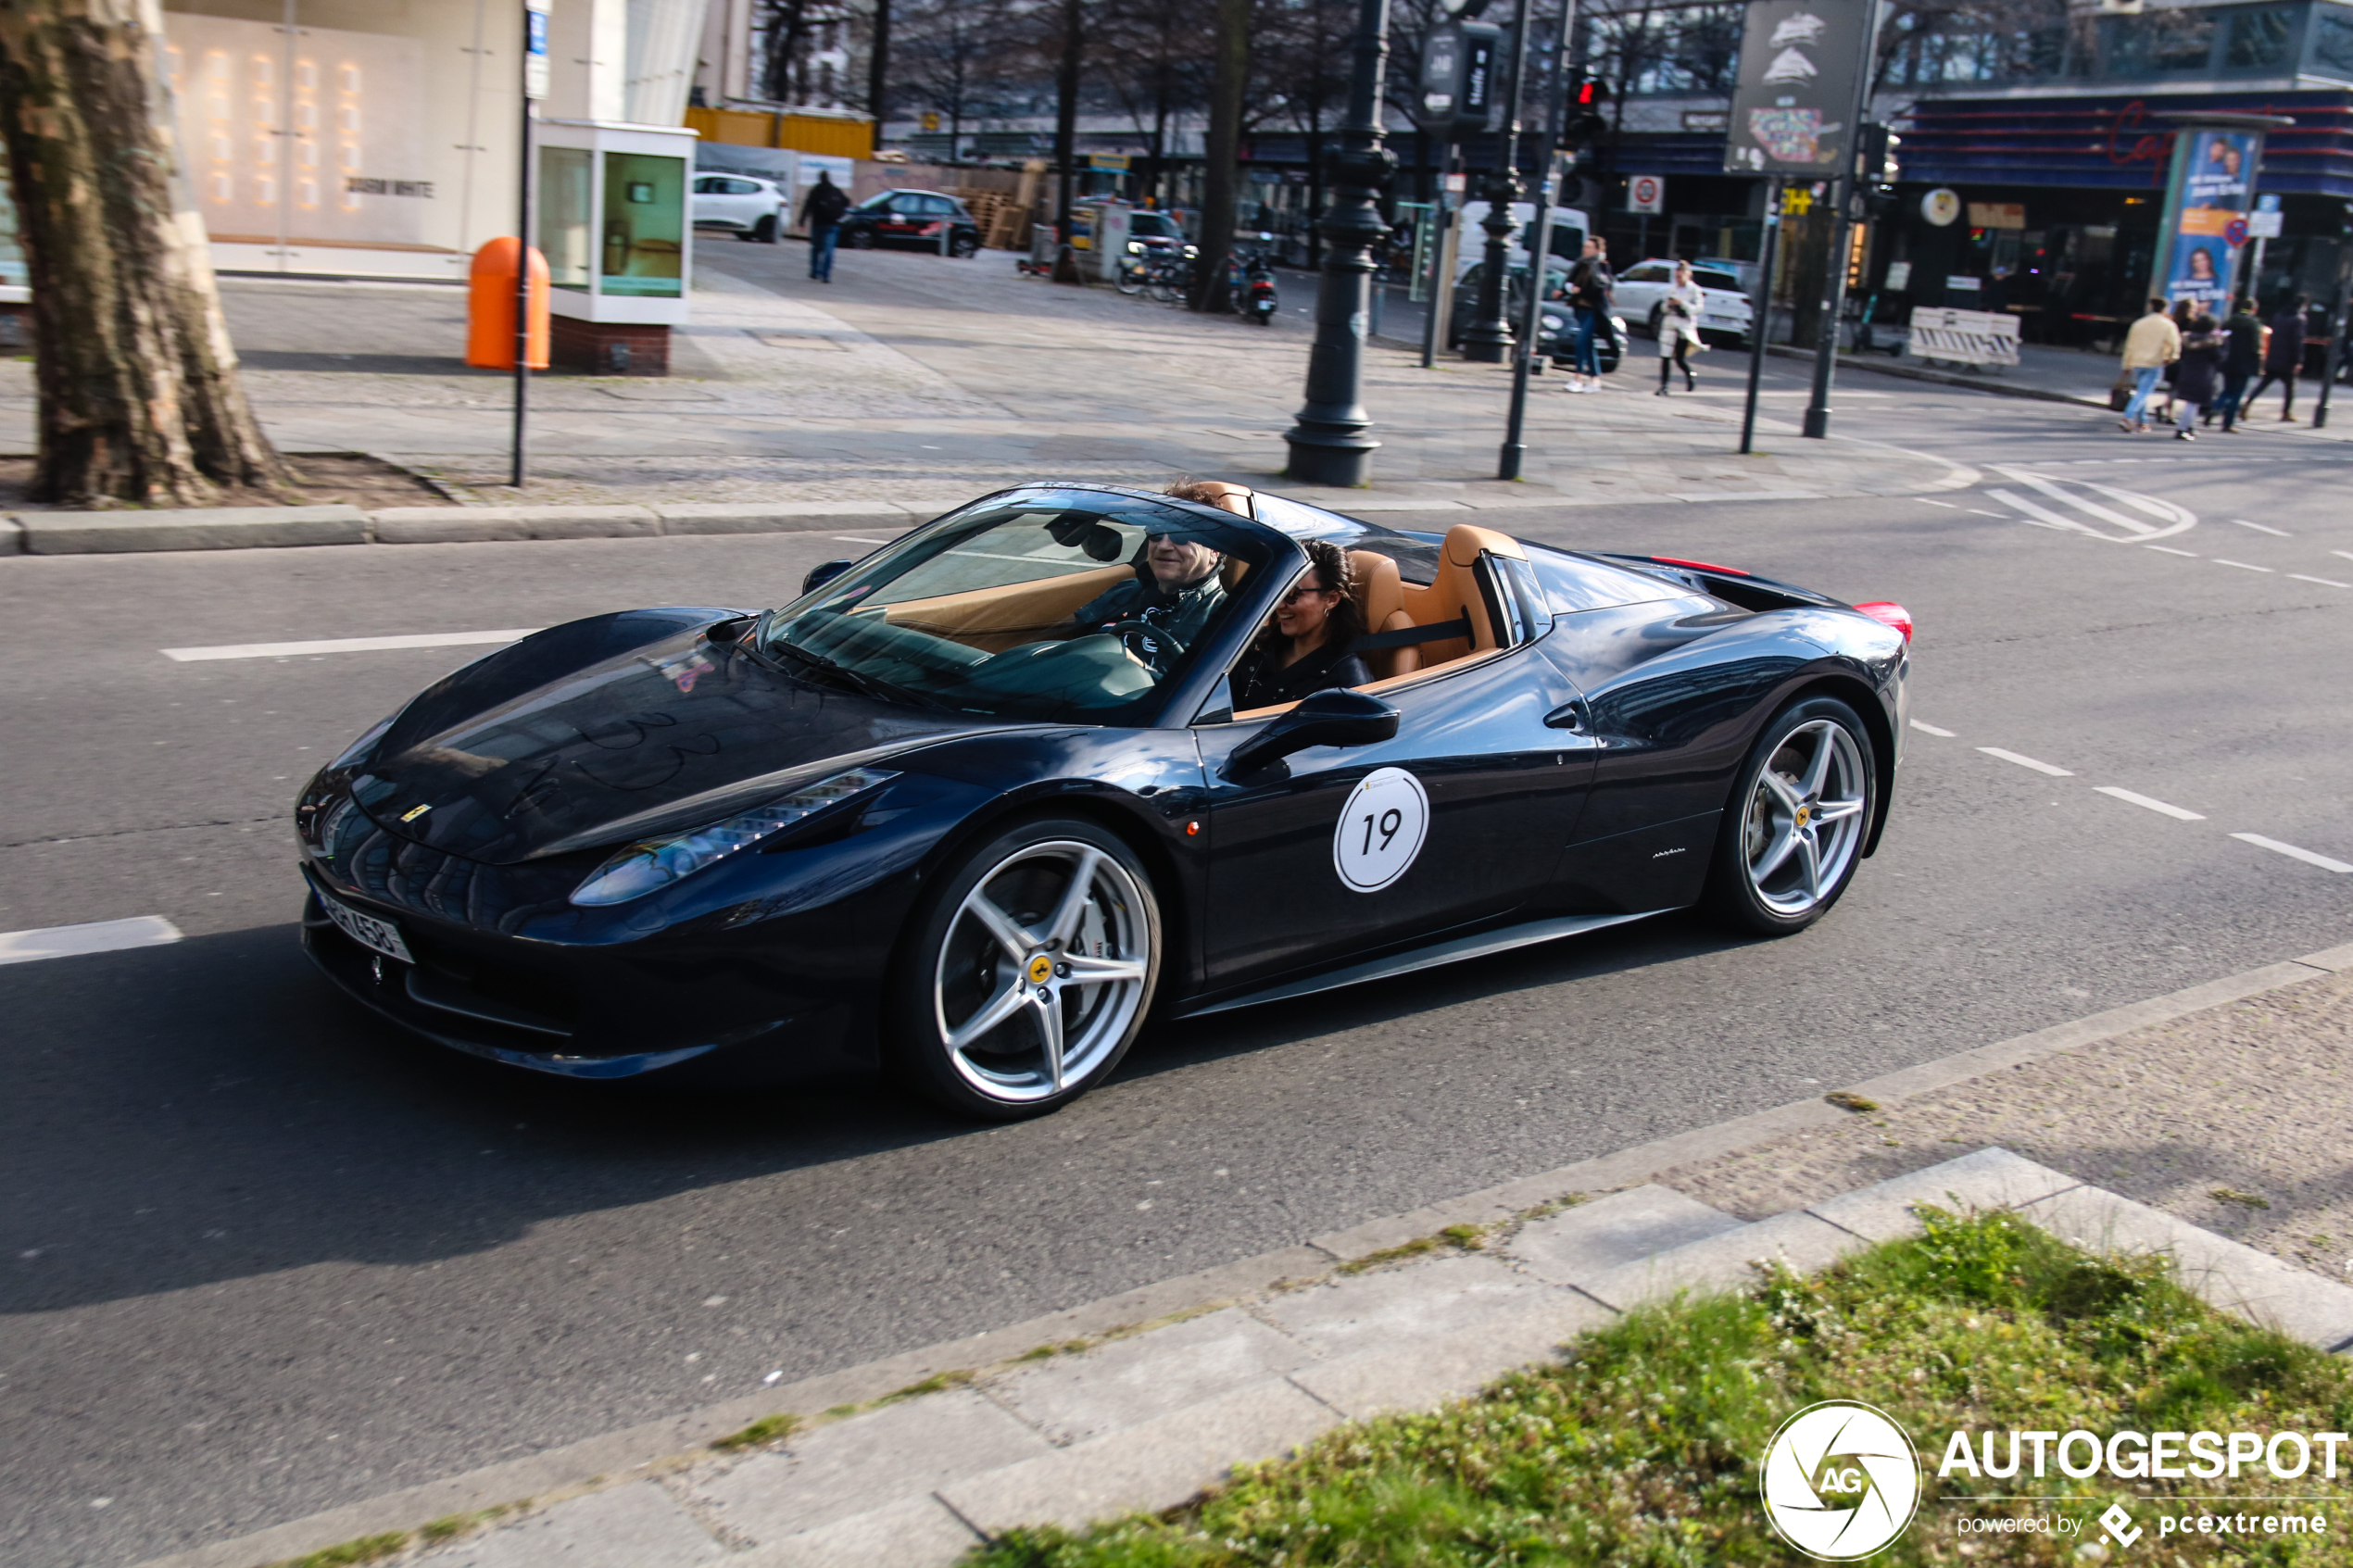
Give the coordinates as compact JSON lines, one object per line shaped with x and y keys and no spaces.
{"x":1641,"y":1450}
{"x":767,"y":1429}
{"x":937,"y":1382}
{"x":1468,"y":1238}
{"x":1847,"y":1100}
{"x":2244,"y":1199}
{"x":1048,"y":1353}
{"x":367,"y":1548}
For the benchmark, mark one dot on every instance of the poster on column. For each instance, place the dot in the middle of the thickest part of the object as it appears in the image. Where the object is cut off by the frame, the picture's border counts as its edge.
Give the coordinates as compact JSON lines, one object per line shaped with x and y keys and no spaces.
{"x":2214,"y":177}
{"x":1795,"y":98}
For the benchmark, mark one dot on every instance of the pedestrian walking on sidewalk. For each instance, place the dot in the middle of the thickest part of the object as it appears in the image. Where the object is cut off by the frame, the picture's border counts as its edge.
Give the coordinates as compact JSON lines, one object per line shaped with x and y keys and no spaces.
{"x":2197,"y":379}
{"x":1679,"y":314}
{"x":2241,"y":360}
{"x":1589,"y":290}
{"x":2153,"y":343}
{"x":2285,"y":357}
{"x":820,"y":212}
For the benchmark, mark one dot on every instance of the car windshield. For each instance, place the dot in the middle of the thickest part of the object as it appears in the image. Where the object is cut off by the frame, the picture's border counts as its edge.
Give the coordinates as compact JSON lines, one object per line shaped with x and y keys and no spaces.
{"x":1047,"y":603}
{"x":1724,"y":281}
{"x":1152,"y":224}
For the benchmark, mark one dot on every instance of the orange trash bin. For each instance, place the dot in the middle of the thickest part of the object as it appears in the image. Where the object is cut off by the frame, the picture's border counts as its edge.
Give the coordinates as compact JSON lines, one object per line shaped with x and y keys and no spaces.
{"x":490,"y":308}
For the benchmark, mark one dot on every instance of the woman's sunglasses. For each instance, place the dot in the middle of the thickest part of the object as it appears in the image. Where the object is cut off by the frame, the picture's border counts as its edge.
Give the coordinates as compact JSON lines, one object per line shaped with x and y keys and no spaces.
{"x":1301,"y":590}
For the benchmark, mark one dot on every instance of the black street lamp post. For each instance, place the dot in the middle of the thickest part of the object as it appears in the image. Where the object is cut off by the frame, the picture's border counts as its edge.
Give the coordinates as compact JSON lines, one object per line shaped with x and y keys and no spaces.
{"x":1487,"y":339}
{"x":1331,"y":443}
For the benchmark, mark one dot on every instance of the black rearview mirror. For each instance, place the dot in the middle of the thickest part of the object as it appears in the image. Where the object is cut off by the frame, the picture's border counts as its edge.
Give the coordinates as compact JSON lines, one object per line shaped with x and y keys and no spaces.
{"x":1340,"y":717}
{"x":823,"y":573}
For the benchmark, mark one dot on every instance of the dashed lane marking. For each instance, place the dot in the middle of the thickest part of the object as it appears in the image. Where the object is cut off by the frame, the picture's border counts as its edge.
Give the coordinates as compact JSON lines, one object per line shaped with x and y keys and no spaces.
{"x":2347,"y":554}
{"x":1979,"y":511}
{"x":98,"y":936}
{"x":2323,"y":582}
{"x":2171,"y":551}
{"x":2291,"y":852}
{"x":1948,"y":506}
{"x":2160,"y":806}
{"x":2025,"y":761}
{"x":348,"y":644}
{"x":2240,"y":564}
{"x":1929,"y":729}
{"x":2275,"y":533}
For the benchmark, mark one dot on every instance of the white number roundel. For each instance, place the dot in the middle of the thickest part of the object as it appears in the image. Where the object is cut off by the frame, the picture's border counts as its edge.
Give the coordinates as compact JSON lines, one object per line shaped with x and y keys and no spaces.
{"x":1380,"y":830}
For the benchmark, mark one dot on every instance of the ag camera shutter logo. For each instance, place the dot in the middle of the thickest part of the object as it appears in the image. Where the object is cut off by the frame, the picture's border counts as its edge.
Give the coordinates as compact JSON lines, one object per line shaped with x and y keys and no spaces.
{"x":1841,"y":1481}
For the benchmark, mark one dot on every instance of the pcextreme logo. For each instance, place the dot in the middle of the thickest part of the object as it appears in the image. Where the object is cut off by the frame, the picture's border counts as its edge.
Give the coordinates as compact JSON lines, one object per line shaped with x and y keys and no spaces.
{"x":1841,"y":1480}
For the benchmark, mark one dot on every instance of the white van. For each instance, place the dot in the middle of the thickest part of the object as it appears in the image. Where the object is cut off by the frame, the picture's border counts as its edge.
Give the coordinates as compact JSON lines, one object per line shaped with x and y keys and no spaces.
{"x":1568,"y":236}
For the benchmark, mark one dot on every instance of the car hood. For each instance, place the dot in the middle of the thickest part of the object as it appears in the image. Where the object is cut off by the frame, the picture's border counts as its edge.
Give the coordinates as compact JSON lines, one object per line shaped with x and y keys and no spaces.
{"x":620,"y":728}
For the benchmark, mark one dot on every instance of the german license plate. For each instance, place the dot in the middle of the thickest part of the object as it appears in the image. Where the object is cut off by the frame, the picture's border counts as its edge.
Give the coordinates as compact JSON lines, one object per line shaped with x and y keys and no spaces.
{"x":379,"y":936}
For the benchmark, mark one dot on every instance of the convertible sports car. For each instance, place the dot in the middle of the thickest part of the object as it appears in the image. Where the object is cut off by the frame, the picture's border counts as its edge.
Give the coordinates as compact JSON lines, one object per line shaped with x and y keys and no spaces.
{"x":923,"y":817}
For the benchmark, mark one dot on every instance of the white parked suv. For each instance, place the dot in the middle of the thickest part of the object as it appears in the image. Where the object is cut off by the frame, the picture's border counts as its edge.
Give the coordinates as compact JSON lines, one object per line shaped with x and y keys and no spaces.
{"x":1641,"y":292}
{"x":754,"y":209}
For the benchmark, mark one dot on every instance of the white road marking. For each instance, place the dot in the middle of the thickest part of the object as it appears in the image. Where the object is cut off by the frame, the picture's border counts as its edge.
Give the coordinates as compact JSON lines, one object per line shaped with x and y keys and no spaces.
{"x":2026,"y":761}
{"x":98,"y":936}
{"x":2079,"y":494}
{"x":2240,"y":564}
{"x":2291,"y":852}
{"x":1929,"y":729}
{"x":2275,"y":533}
{"x":1979,"y":511}
{"x":2323,"y":582}
{"x":2160,"y":806}
{"x":1948,"y":506}
{"x":2347,"y":554}
{"x":853,"y":539}
{"x":2171,"y":551}
{"x":348,"y":644}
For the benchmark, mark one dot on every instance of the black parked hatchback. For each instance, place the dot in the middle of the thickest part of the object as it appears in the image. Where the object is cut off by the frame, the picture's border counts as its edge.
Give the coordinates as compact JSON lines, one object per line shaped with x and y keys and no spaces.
{"x":910,"y":217}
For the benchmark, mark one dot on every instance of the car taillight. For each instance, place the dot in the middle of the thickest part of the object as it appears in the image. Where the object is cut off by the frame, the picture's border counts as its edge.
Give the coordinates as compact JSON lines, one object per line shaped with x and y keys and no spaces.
{"x":1890,"y":614}
{"x":1699,"y":566}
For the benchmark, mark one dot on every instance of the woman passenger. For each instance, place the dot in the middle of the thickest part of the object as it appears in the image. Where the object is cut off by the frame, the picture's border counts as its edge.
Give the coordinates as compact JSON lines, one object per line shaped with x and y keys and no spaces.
{"x":1306,"y":646}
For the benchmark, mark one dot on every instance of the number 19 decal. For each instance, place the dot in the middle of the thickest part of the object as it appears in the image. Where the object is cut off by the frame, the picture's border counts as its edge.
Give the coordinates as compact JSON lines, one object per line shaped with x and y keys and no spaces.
{"x":1380,"y":830}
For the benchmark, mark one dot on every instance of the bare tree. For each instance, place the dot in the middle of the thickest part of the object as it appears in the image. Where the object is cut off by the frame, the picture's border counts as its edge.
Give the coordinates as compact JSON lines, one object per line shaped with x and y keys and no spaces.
{"x":140,"y":397}
{"x":950,"y":55}
{"x":1221,"y":152}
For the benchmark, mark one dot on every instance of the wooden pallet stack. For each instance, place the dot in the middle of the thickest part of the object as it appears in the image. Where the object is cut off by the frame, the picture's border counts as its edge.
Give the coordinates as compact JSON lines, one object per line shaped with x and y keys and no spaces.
{"x":1004,"y":223}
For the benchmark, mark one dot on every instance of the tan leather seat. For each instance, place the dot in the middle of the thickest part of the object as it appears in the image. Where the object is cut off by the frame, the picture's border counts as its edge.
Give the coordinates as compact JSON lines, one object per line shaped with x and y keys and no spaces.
{"x":1380,"y":593}
{"x":1454,"y":592}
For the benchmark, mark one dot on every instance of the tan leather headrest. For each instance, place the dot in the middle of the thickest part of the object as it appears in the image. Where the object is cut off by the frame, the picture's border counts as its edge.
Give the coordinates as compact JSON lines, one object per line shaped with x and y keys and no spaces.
{"x":1465,"y":540}
{"x":1232,"y":497}
{"x":1380,"y":590}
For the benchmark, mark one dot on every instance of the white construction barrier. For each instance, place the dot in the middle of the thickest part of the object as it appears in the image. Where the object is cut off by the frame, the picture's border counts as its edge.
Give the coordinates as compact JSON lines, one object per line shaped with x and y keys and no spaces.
{"x":1964,"y":337}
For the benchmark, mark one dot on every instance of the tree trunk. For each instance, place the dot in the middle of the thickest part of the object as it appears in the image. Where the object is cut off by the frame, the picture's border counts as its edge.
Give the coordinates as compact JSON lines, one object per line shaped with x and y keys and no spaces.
{"x":140,"y":397}
{"x":1221,"y":149}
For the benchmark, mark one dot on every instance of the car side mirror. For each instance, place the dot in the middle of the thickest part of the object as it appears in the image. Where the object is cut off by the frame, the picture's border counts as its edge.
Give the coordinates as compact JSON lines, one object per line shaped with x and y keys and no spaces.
{"x":1340,"y":717}
{"x":823,"y":573}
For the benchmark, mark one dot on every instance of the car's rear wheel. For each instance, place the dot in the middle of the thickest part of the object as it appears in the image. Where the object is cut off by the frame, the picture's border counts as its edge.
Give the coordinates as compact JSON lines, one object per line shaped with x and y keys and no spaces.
{"x":1027,"y":971}
{"x":1792,"y":832}
{"x":963,"y":248}
{"x":765,"y":230}
{"x":860,"y":239}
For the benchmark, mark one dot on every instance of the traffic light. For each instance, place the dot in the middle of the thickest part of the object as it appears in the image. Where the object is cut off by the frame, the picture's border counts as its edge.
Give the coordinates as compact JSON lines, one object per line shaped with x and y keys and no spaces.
{"x":1587,"y":121}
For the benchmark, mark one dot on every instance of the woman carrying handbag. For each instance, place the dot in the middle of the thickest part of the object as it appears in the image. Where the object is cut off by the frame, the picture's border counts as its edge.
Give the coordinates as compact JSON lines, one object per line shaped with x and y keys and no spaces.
{"x":1678,"y":315}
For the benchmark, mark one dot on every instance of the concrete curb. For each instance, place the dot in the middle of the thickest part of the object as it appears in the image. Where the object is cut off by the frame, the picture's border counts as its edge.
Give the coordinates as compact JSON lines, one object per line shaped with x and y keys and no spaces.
{"x":1684,"y":1244}
{"x":247,"y":528}
{"x":1943,"y":378}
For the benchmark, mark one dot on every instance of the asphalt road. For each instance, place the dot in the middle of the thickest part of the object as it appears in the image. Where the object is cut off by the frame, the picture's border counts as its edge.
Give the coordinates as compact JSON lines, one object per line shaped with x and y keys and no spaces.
{"x":264,"y":1255}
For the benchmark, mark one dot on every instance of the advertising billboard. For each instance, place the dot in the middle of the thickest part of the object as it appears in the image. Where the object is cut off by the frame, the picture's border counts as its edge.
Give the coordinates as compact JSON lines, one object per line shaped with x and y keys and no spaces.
{"x":2213,"y":191}
{"x":1793,"y":105}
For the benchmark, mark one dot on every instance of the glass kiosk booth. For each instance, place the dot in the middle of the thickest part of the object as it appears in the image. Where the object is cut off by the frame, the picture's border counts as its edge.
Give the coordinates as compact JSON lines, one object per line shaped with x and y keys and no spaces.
{"x":612,"y":220}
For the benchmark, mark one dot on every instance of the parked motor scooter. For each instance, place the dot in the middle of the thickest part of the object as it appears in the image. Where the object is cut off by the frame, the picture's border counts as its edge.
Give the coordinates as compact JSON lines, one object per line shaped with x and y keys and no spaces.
{"x":1249,"y":278}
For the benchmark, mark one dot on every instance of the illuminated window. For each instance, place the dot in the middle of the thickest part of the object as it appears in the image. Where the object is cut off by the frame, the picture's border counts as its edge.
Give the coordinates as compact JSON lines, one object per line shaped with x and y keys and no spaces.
{"x":265,"y":190}
{"x":307,"y":154}
{"x":306,"y":116}
{"x":265,"y":149}
{"x":222,"y":187}
{"x":265,"y":70}
{"x":306,"y":193}
{"x":350,"y":77}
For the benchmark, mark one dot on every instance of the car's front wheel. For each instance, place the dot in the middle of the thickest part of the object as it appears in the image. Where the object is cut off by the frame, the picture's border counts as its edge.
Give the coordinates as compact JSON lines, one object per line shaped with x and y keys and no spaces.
{"x":963,"y":247}
{"x":1026,"y":973}
{"x":765,"y":231}
{"x":860,"y":239}
{"x":1792,"y":832}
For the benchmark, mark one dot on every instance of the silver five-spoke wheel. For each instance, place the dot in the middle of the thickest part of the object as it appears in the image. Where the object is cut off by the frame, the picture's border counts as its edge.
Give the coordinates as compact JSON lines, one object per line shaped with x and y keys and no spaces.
{"x":1805,"y":818}
{"x":1043,"y":970}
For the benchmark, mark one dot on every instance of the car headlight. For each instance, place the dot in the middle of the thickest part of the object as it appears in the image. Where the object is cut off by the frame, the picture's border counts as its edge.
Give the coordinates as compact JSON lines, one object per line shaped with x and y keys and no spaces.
{"x":1552,"y":324}
{"x":1135,"y":248}
{"x":652,"y":864}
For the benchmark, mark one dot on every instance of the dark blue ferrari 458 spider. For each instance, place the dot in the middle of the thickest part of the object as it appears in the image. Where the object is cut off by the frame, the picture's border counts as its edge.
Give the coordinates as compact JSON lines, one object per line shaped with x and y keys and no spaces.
{"x":973,"y":808}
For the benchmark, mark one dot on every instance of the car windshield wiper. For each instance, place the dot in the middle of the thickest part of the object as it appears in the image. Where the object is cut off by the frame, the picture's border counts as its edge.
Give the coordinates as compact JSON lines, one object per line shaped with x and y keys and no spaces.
{"x":858,"y":680}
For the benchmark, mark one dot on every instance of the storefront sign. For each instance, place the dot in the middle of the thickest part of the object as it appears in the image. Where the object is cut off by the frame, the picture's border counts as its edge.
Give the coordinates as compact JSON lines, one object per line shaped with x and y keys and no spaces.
{"x":2263,"y":223}
{"x":1940,"y":207}
{"x":1997,"y":215}
{"x":2212,"y":189}
{"x":1793,"y":107}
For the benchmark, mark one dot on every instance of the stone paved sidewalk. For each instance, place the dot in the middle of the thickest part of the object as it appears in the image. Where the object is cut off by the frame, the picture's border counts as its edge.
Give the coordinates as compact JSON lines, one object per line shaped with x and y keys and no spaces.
{"x":2224,"y":1111}
{"x":945,"y":377}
